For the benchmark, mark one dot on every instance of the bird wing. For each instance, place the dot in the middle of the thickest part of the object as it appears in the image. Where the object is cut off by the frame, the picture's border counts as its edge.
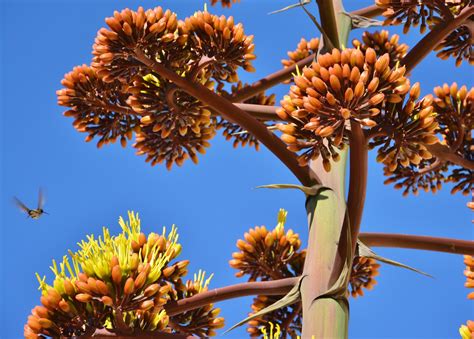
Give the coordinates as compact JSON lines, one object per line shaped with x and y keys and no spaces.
{"x":20,"y":205}
{"x":41,"y":199}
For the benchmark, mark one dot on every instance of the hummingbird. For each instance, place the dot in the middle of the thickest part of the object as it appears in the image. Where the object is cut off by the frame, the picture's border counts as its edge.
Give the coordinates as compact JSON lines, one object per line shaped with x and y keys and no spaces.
{"x":32,"y":213}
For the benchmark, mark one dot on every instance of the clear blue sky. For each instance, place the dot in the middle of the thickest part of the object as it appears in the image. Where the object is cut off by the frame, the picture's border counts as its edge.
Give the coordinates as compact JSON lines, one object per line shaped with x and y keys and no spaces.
{"x":213,"y":203}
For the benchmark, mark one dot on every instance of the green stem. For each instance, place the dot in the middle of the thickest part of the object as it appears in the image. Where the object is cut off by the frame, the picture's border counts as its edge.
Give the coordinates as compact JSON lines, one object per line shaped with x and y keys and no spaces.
{"x":326,"y":315}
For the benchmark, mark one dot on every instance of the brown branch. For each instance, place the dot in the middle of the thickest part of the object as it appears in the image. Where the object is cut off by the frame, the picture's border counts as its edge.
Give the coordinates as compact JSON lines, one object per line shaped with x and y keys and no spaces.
{"x":271,"y":80}
{"x":418,"y":242}
{"x":369,"y":11}
{"x":274,"y":287}
{"x":444,"y":153}
{"x":358,"y":152}
{"x":261,"y":112}
{"x":231,"y":112}
{"x":433,"y":38}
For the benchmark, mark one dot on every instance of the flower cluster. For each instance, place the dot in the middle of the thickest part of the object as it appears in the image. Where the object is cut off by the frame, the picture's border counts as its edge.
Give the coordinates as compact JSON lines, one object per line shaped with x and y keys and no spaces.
{"x":408,"y":127}
{"x":119,"y":283}
{"x":413,"y":13}
{"x":155,"y":32}
{"x":304,"y":49}
{"x":121,"y":93}
{"x":275,"y":254}
{"x":223,"y":43}
{"x":381,"y":42}
{"x":175,"y":126}
{"x":428,"y":175}
{"x":453,"y":111}
{"x":362,"y":276}
{"x":99,"y":108}
{"x":269,"y":254}
{"x":458,"y":44}
{"x":340,"y":87}
{"x":202,"y":322}
{"x":232,"y":131}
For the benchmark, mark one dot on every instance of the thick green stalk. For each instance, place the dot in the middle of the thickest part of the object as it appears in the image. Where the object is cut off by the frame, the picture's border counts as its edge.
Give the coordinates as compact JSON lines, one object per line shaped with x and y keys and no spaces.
{"x":324,"y":305}
{"x":325,"y":316}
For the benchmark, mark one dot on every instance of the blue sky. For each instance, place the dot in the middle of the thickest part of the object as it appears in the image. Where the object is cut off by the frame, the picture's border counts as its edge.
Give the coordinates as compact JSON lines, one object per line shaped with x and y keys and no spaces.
{"x":213,"y":203}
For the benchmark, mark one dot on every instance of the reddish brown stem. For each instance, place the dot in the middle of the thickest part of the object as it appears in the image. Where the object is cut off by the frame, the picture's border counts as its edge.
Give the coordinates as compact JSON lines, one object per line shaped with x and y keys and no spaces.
{"x":358,"y":179}
{"x":271,"y":80}
{"x":261,"y":112}
{"x":233,"y":113}
{"x":369,"y":11}
{"x":434,"y":37}
{"x":444,"y":153}
{"x":418,"y":242}
{"x":274,"y":287}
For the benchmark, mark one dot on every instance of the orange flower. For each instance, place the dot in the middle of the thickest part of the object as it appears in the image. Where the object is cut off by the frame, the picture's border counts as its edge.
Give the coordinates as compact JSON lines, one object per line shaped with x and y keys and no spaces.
{"x":340,"y":87}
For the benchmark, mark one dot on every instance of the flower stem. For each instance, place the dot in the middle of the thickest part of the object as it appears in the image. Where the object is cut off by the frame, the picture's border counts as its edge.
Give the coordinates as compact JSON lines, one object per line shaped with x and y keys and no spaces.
{"x":274,"y":287}
{"x":271,"y":80}
{"x":418,"y":242}
{"x":446,"y":154}
{"x":369,"y":11}
{"x":358,"y":179}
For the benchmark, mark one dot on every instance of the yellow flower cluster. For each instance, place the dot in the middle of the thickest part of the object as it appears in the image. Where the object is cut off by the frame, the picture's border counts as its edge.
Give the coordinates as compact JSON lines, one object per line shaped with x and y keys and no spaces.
{"x":121,"y":283}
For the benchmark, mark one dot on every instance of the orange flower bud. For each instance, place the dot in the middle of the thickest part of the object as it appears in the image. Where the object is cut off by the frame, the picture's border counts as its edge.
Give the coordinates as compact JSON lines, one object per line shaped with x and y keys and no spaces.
{"x":129,"y":286}
{"x":83,"y":297}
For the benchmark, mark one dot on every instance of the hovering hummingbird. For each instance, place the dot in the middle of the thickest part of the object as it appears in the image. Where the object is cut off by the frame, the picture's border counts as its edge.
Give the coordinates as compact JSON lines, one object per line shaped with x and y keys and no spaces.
{"x":32,"y":213}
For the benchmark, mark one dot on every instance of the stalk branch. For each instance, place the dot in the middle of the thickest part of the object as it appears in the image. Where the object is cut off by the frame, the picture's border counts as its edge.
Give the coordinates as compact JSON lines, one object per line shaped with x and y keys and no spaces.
{"x":418,"y":242}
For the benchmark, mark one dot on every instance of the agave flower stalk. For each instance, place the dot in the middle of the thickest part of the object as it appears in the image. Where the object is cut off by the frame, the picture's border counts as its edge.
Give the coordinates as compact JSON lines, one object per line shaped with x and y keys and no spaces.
{"x":345,"y":98}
